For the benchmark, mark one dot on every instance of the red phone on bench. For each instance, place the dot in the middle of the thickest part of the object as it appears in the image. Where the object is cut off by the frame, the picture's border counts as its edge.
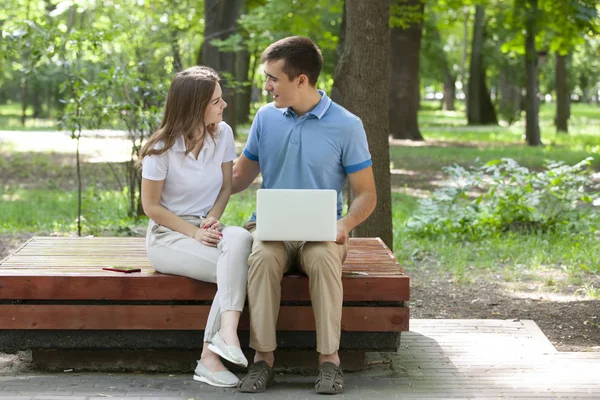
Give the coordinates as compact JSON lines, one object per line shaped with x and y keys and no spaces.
{"x":126,"y":270}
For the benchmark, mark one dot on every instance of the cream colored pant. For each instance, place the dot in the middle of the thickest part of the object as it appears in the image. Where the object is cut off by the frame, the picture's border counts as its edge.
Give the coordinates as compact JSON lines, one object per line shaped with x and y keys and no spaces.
{"x":226,"y":265}
{"x":322,"y":262}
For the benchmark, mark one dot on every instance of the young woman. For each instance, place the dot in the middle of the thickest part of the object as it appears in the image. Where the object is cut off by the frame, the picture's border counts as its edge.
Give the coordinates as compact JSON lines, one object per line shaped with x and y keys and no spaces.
{"x":186,"y":183}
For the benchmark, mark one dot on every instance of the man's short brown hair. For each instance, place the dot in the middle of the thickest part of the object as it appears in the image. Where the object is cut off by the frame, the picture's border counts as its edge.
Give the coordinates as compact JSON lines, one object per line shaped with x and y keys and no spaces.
{"x":300,"y":55}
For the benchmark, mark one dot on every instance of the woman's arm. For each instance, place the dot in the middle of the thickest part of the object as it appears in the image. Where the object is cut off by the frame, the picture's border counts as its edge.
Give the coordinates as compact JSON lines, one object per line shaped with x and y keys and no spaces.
{"x":151,"y":194}
{"x":216,"y":212}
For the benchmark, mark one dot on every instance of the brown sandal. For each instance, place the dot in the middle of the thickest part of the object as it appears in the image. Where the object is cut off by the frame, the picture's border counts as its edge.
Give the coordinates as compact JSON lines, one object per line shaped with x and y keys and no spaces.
{"x":259,"y":377}
{"x":330,"y":379}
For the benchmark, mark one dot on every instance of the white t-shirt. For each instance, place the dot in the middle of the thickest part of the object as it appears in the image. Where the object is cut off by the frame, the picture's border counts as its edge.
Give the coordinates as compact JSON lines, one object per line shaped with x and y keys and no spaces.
{"x":191,"y":186}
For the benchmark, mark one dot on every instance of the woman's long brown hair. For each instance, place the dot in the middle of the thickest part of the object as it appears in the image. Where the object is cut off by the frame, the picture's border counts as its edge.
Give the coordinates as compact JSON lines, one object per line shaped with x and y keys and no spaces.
{"x":189,"y":95}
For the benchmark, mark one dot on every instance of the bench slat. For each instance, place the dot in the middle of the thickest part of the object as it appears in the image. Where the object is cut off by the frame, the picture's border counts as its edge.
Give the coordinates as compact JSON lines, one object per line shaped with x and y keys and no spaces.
{"x":71,"y":269}
{"x":165,"y":287}
{"x":127,"y":317}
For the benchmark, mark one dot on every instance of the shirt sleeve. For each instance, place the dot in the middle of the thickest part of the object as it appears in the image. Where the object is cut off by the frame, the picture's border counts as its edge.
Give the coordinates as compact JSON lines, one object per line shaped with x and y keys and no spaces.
{"x":229,"y":154}
{"x":251,"y":150}
{"x":356,"y":155}
{"x":155,"y":167}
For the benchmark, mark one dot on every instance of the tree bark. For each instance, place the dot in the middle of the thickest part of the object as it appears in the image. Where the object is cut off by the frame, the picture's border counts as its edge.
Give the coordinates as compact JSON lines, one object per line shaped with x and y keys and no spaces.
{"x":403,"y":90}
{"x":532,"y":126}
{"x":365,"y":50}
{"x":244,"y":94}
{"x":510,"y":97}
{"x":563,"y":101}
{"x":447,"y":77}
{"x":463,"y":67}
{"x":177,"y":64}
{"x":480,"y":109}
{"x":221,"y":22}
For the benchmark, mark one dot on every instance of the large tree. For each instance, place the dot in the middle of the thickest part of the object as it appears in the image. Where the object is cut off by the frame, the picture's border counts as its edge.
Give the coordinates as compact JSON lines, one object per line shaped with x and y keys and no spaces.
{"x":359,"y":81}
{"x":221,"y":22}
{"x":532,"y":123}
{"x":480,"y":110}
{"x":568,"y":22}
{"x":403,"y":87}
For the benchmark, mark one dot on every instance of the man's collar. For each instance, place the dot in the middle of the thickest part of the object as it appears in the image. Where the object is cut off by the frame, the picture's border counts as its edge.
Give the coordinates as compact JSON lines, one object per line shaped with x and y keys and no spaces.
{"x":318,"y":111}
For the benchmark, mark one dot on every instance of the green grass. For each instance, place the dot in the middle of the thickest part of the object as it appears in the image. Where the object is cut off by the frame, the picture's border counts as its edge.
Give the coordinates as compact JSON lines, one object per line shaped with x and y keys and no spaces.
{"x":103,"y":211}
{"x":453,"y":142}
{"x":45,"y":211}
{"x":10,"y":119}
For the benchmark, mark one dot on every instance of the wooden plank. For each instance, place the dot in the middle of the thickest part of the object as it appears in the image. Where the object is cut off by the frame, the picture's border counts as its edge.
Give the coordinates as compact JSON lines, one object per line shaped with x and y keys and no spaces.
{"x":168,"y":287}
{"x":125,"y":317}
{"x":49,"y":268}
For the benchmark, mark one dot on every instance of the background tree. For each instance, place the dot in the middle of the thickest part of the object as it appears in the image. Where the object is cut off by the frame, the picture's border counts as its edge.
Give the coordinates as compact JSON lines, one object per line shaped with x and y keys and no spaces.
{"x":406,"y":25}
{"x":364,"y":50}
{"x":221,"y":22}
{"x":480,"y":109}
{"x":568,"y":23}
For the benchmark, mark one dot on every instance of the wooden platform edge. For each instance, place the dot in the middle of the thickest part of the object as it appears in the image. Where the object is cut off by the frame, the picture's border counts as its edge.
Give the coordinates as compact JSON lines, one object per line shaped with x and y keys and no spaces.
{"x":184,"y":317}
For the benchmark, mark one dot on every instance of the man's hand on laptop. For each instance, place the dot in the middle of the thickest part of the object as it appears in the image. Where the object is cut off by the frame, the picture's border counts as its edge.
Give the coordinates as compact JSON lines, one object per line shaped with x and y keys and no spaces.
{"x":342,"y":233}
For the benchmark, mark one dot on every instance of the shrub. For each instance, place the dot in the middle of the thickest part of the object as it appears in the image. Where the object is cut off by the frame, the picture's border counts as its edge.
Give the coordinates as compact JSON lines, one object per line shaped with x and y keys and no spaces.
{"x":501,"y":195}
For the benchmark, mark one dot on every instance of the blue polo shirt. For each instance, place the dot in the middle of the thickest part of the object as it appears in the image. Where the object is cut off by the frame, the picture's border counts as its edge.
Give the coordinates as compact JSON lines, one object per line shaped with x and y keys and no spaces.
{"x":315,"y":151}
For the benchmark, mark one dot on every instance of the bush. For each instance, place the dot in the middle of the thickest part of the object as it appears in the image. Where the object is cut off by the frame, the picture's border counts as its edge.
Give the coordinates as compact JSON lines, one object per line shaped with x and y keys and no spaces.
{"x":501,"y":195}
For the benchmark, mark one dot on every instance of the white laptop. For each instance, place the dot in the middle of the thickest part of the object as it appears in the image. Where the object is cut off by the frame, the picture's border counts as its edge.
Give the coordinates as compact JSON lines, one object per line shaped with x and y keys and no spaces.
{"x":296,"y":214}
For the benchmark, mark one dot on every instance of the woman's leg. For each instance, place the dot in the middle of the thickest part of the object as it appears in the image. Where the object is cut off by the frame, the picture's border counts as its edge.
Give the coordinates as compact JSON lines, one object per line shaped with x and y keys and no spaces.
{"x":232,"y":280}
{"x":174,"y":253}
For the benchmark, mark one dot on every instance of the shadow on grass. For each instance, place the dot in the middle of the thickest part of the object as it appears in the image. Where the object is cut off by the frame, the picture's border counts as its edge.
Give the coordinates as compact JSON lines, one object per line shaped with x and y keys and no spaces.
{"x":40,"y":170}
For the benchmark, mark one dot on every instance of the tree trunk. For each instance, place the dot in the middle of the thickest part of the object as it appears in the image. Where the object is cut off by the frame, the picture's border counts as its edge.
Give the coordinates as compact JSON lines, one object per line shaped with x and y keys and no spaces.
{"x":463,"y":67}
{"x":243,"y":95}
{"x":448,"y":78}
{"x":25,"y":99}
{"x":563,"y":101}
{"x":532,"y":126}
{"x":403,"y":88}
{"x":480,"y":109}
{"x":221,"y":22}
{"x":510,"y":97}
{"x":177,"y":64}
{"x":38,"y":89}
{"x":365,"y":49}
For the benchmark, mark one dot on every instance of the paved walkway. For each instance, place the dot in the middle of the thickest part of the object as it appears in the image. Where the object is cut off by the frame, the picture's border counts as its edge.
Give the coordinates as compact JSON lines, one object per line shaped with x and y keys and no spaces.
{"x":438,"y":359}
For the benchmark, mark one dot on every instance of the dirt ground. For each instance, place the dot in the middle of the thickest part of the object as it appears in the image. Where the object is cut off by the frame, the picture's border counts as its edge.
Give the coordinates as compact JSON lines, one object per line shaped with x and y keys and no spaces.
{"x":570,"y":321}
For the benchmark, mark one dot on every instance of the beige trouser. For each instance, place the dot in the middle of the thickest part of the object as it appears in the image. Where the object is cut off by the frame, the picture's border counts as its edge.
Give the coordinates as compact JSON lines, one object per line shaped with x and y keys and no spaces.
{"x":322,"y":262}
{"x":226,"y":265}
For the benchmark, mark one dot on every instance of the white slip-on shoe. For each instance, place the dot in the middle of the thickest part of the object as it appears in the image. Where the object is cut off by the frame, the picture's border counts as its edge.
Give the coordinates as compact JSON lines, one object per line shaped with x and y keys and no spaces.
{"x":231,"y":353}
{"x":218,"y":379}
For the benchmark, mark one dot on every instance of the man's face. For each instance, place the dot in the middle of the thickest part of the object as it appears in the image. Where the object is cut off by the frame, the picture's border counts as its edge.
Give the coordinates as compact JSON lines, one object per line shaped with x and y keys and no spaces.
{"x":284,"y":91}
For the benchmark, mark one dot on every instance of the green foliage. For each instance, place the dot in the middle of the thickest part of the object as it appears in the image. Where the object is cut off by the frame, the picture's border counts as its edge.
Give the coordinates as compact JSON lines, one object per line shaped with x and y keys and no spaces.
{"x":501,"y":195}
{"x":403,"y":15}
{"x":268,"y":21}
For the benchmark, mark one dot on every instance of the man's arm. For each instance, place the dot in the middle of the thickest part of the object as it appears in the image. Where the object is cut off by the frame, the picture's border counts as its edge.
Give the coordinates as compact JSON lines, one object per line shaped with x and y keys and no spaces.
{"x":362,"y":184}
{"x":245,"y":172}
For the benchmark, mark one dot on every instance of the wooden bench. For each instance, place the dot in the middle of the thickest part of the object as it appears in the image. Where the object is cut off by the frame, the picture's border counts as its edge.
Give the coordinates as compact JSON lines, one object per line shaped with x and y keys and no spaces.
{"x":54,"y":294}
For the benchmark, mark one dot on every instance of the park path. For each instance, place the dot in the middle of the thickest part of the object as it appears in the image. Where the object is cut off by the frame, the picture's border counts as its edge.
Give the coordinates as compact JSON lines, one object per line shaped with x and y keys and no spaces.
{"x":437,"y":359}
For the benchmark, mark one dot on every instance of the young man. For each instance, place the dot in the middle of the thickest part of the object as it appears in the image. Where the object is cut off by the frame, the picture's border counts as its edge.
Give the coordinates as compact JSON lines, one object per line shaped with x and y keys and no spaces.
{"x":302,"y":140}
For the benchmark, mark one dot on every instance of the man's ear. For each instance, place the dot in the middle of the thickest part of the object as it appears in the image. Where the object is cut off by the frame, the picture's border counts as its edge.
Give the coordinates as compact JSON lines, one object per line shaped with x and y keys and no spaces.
{"x":302,"y":80}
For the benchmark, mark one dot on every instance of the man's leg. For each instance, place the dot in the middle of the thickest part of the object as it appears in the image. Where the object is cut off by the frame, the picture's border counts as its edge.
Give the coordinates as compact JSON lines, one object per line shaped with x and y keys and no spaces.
{"x":322,"y":262}
{"x":267,"y":264}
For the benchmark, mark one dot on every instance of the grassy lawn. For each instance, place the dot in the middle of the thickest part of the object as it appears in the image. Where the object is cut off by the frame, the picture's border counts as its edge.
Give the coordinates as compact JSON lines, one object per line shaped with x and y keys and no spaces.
{"x":10,"y":119}
{"x":40,"y":199}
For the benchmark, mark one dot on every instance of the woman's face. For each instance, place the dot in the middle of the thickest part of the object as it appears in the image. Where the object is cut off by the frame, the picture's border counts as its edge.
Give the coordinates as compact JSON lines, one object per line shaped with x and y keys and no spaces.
{"x":216,"y":105}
